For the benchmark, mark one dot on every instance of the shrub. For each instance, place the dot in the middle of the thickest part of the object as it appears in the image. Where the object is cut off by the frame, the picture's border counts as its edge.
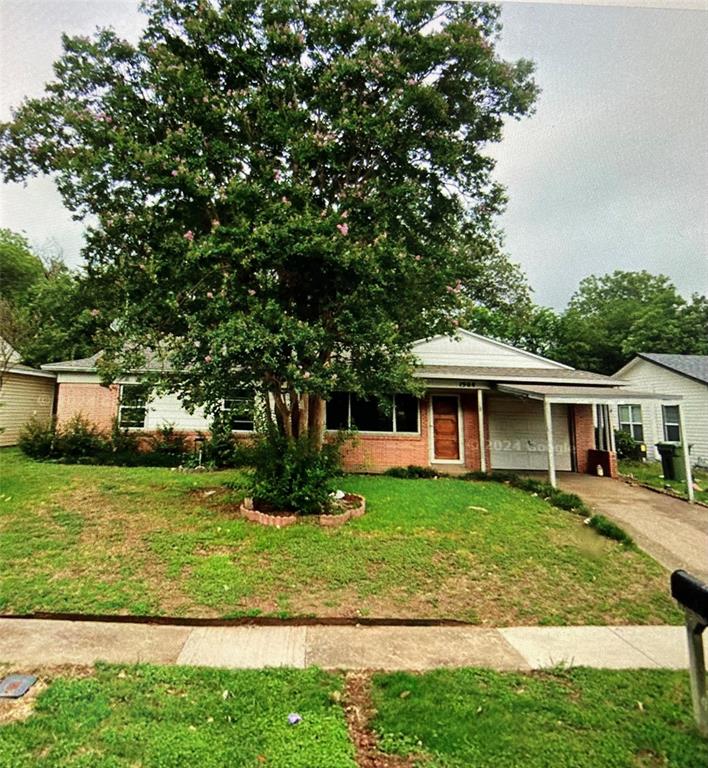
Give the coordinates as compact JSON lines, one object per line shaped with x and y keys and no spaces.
{"x":627,"y":446}
{"x":219,"y":449}
{"x":81,"y":441}
{"x":293,"y":475}
{"x":166,"y":447}
{"x":124,"y":446}
{"x":609,"y":529}
{"x":37,"y":438}
{"x":411,"y":471}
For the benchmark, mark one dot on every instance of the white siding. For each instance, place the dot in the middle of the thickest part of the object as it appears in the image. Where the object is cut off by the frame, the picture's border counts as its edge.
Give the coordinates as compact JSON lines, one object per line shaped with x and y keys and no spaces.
{"x":22,"y":398}
{"x":469,"y":349}
{"x":168,"y":409}
{"x":646,"y":376}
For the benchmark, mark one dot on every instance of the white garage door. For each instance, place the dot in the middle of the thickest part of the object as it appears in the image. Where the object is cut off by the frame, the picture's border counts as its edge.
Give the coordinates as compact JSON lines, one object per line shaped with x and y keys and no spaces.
{"x":517,"y":434}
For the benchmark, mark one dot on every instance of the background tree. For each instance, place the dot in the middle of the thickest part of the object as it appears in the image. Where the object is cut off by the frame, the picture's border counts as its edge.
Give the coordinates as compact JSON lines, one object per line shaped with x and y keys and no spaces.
{"x":611,"y":318}
{"x":47,"y":311}
{"x":281,"y":187}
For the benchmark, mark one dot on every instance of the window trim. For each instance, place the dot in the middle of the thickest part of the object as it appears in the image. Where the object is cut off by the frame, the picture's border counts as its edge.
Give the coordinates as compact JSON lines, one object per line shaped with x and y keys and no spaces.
{"x":377,"y":433}
{"x":225,"y":410}
{"x":666,"y":423}
{"x":121,"y":407}
{"x":631,"y":423}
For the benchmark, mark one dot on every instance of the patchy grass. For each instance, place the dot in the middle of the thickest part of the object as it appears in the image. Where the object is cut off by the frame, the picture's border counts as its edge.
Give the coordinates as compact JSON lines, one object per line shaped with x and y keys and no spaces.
{"x":148,"y":540}
{"x":579,"y":718}
{"x":162,"y":717}
{"x":650,"y":472}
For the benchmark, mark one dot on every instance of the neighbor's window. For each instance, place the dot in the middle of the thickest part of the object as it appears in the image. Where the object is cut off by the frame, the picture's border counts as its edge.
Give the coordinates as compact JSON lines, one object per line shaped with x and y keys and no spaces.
{"x":133,"y":405}
{"x":630,"y":420}
{"x":345,"y":410}
{"x":238,"y":409}
{"x":672,"y":431}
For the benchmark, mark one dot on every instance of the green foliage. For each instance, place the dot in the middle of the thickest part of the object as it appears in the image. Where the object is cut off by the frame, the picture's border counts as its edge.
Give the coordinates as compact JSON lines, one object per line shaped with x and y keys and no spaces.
{"x":610,"y":530}
{"x":37,"y":438}
{"x":271,"y":182}
{"x":627,"y":446}
{"x":613,"y":317}
{"x":166,"y":446}
{"x":219,"y":448}
{"x":577,"y":718}
{"x":294,"y":475}
{"x":20,"y":269}
{"x":411,"y":471}
{"x":80,"y":441}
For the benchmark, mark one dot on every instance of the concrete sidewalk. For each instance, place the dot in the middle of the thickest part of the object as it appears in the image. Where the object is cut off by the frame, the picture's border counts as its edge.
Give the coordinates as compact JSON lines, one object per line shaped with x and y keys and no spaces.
{"x":32,"y":642}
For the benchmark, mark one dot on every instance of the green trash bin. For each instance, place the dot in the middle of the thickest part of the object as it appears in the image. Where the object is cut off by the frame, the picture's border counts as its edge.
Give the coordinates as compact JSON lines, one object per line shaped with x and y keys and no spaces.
{"x":672,"y":461}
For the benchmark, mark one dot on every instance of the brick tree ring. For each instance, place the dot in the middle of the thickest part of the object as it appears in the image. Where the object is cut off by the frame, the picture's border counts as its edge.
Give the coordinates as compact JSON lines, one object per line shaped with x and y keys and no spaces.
{"x":355,"y":507}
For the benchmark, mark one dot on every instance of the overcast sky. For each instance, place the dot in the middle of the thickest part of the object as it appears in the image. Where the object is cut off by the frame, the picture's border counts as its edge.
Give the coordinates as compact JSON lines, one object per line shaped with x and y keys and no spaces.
{"x":610,"y":173}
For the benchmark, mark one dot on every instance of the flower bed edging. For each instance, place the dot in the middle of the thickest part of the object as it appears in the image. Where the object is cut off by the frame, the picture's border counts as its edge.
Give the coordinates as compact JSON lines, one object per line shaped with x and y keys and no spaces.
{"x":282,"y":521}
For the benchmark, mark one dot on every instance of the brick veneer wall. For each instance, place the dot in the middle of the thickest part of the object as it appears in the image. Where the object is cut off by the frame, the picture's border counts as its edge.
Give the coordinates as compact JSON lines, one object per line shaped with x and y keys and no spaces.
{"x":376,"y":453}
{"x":96,"y":403}
{"x":585,"y":441}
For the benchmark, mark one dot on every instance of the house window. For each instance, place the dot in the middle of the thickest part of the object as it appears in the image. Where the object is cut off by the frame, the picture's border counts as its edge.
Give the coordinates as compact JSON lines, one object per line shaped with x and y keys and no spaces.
{"x":238,"y":410}
{"x":630,"y":420}
{"x":133,"y":405}
{"x":345,"y":410}
{"x":672,"y":431}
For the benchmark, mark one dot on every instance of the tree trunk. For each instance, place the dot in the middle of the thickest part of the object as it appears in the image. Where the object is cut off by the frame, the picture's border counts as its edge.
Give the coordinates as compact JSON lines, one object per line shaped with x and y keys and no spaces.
{"x":303,"y":415}
{"x":317,"y":420}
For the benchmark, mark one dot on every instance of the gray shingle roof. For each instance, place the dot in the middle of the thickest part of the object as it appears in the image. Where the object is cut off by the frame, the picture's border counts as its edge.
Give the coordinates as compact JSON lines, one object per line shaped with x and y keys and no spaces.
{"x":89,"y":364}
{"x":693,"y":366}
{"x":493,"y":373}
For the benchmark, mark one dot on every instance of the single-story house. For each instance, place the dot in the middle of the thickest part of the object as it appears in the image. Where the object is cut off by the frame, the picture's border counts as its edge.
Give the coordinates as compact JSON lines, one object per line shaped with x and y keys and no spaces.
{"x":487,"y":405}
{"x":653,"y":421}
{"x":25,"y":393}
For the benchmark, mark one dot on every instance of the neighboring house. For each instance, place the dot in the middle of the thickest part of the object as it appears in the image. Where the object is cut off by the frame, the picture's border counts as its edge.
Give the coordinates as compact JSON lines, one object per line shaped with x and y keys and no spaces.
{"x":683,"y":376}
{"x":25,"y":393}
{"x":527,"y":412}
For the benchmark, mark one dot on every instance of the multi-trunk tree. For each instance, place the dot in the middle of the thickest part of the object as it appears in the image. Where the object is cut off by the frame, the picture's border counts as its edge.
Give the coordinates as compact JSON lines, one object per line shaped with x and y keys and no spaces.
{"x":285,"y":193}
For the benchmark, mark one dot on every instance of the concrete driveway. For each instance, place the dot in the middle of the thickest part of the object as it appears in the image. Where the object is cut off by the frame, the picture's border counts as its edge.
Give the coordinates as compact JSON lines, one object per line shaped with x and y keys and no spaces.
{"x":672,"y":531}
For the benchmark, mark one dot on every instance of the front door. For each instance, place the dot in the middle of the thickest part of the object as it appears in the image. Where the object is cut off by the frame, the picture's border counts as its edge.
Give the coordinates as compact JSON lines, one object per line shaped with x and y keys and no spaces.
{"x":446,"y":435}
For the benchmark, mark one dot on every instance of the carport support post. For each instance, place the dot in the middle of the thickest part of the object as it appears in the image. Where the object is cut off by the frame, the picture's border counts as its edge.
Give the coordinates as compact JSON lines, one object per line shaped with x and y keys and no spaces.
{"x":480,"y":419}
{"x":686,"y":457}
{"x":549,"y":443}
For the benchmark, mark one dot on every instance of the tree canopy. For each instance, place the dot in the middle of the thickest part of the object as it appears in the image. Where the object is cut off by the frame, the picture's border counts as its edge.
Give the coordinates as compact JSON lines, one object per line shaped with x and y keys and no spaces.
{"x":612,"y":317}
{"x":20,"y":269}
{"x":287,"y":193}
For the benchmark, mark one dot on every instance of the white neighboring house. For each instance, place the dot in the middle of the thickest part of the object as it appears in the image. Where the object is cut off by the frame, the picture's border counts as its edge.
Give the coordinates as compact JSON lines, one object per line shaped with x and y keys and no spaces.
{"x":685,"y":376}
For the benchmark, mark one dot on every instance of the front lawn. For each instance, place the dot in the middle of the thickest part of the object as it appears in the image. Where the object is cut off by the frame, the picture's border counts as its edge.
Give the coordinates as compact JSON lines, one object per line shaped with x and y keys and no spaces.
{"x":580,"y":718}
{"x":147,"y":541}
{"x":650,"y":473}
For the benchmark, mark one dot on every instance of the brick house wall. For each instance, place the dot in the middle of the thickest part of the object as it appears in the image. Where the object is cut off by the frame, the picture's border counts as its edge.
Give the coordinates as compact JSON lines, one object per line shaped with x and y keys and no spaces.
{"x":585,"y":442}
{"x":94,"y":402}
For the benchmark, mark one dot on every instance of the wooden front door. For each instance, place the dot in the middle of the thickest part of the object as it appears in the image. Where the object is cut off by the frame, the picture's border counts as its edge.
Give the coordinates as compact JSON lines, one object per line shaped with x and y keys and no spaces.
{"x":446,"y":436}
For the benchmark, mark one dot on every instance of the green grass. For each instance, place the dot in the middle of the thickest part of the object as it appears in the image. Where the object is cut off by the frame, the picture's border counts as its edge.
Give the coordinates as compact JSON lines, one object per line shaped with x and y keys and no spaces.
{"x":575,"y":719}
{"x":650,"y":472}
{"x":147,"y":540}
{"x":161,"y":717}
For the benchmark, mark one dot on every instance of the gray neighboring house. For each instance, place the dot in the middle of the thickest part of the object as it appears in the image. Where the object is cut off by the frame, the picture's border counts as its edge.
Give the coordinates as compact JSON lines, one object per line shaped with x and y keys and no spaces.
{"x":685,"y":376}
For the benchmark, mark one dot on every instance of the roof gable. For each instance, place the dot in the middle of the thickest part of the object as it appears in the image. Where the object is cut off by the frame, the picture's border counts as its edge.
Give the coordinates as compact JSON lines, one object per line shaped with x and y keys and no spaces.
{"x":470,"y":349}
{"x":691,"y":366}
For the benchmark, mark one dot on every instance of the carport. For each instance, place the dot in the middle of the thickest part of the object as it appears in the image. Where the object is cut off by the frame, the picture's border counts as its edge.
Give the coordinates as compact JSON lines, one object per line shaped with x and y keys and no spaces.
{"x":599,"y":397}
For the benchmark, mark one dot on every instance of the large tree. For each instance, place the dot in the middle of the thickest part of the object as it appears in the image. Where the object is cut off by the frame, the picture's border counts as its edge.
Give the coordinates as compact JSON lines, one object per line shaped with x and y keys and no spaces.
{"x":287,"y":192}
{"x":612,"y":317}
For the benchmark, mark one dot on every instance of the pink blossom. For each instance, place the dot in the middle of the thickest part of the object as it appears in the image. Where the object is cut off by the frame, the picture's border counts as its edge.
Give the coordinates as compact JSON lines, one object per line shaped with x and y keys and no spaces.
{"x":455,"y":322}
{"x":285,"y":200}
{"x":189,"y":235}
{"x":251,"y":292}
{"x":417,"y":258}
{"x":277,"y":174}
{"x":95,"y":312}
{"x":208,"y":358}
{"x":345,"y":214}
{"x":175,"y":172}
{"x":306,"y":375}
{"x":343,"y":228}
{"x":210,"y":295}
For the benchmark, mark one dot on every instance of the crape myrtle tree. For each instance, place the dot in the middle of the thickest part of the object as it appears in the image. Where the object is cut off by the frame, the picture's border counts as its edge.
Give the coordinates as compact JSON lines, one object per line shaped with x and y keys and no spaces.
{"x":285,"y":193}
